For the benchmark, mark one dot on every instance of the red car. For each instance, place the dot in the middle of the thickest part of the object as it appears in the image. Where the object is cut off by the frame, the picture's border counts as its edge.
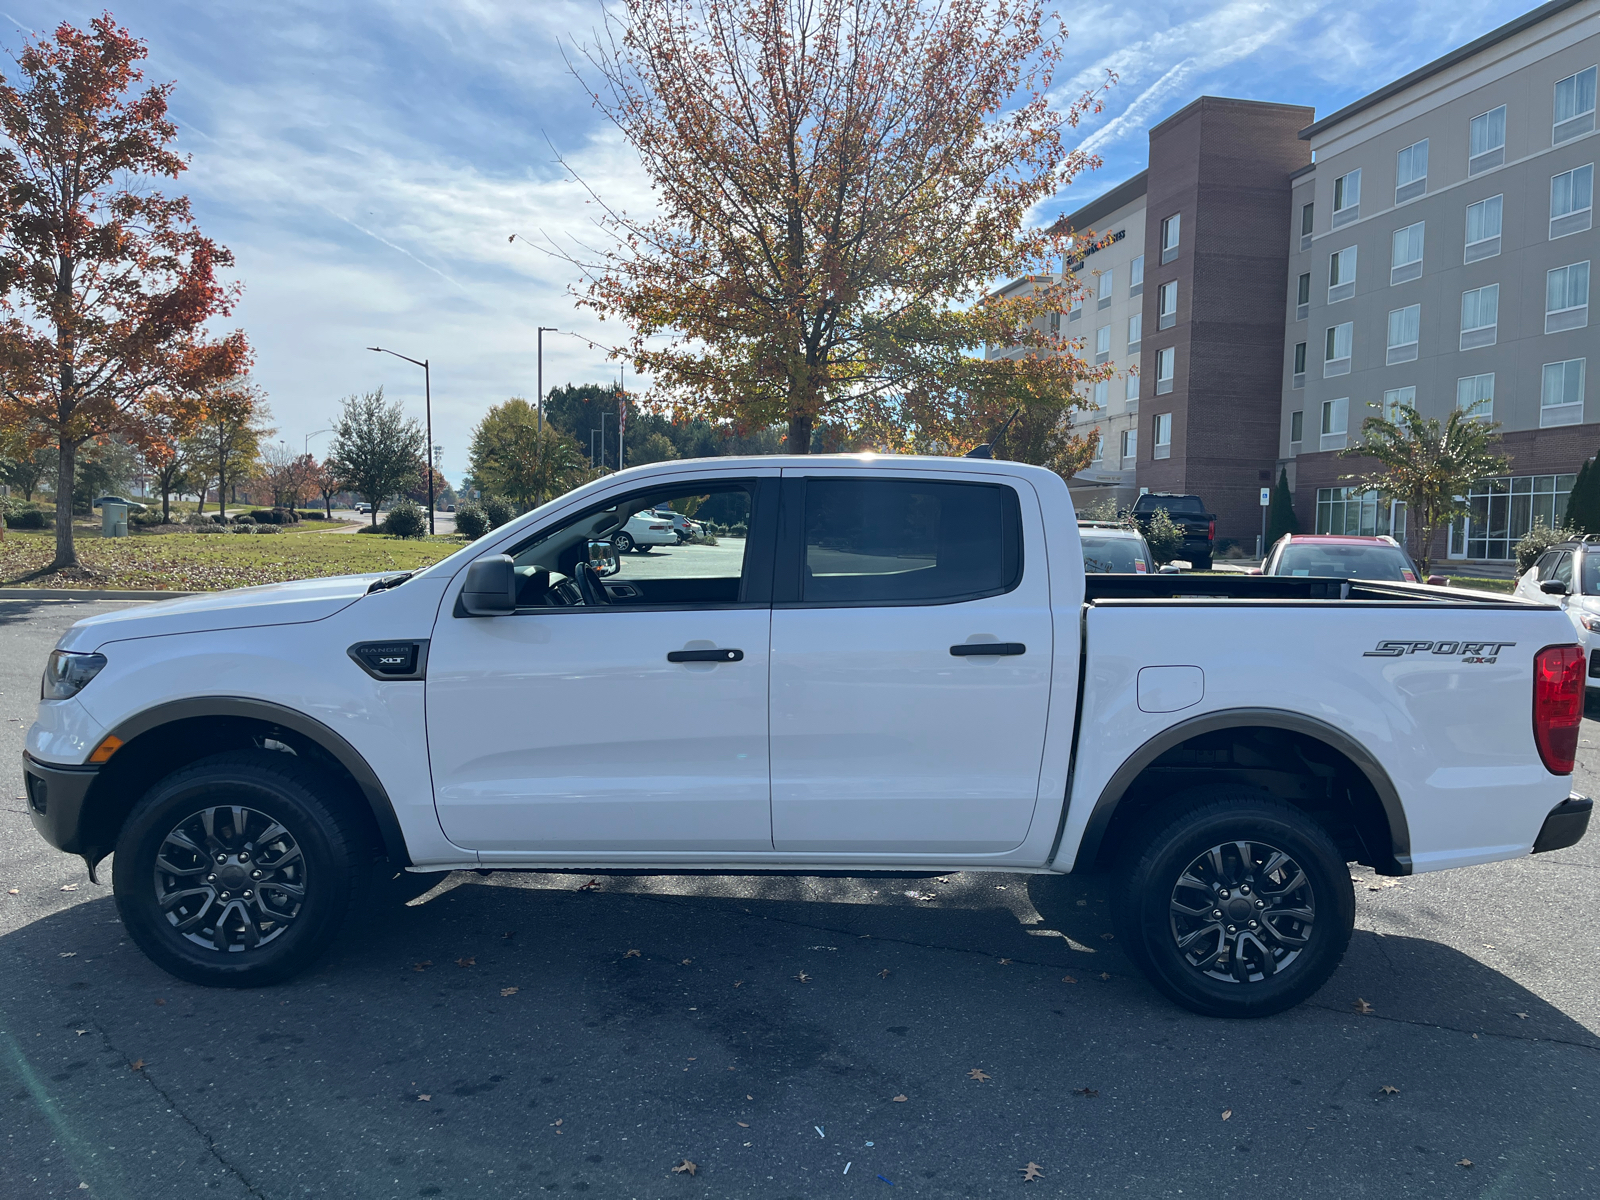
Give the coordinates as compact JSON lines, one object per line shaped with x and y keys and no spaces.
{"x":1342,"y":556}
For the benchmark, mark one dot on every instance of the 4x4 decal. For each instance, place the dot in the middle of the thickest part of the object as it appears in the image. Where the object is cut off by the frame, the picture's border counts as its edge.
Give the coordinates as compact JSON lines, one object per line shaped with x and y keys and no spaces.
{"x":1471,"y":652}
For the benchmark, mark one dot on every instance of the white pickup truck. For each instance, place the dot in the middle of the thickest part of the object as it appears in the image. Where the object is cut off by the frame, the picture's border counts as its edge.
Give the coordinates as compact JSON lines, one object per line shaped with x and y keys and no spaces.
{"x":901,"y":668}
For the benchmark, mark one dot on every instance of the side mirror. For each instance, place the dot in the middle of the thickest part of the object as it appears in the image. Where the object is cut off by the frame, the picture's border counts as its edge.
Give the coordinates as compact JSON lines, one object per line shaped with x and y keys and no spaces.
{"x":1554,"y":587}
{"x":1255,"y":570}
{"x":1169,"y":569}
{"x":603,"y":558}
{"x":491,"y":587}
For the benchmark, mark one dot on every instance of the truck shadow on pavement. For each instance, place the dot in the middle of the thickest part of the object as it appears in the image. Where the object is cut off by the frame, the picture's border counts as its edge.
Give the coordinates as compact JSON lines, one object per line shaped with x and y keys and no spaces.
{"x":523,"y":1034}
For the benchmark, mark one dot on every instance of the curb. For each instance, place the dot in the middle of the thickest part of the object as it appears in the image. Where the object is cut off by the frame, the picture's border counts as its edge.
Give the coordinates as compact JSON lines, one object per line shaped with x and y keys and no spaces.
{"x":26,"y":593}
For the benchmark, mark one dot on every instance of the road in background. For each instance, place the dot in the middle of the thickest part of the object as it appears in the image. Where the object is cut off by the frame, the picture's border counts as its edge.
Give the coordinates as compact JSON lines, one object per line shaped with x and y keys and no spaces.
{"x":528,"y":1034}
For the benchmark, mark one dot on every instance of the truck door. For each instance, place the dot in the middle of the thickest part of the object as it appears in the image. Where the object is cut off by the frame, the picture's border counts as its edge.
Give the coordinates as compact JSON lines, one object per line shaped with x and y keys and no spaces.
{"x":911,"y":656}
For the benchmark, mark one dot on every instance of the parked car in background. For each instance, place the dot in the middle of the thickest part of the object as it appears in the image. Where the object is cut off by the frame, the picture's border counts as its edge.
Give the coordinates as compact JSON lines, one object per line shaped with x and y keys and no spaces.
{"x":1569,"y":574}
{"x":643,"y":532}
{"x":364,"y":508}
{"x":1189,"y":514}
{"x":133,"y":505}
{"x":1109,"y":548}
{"x":686,"y":528}
{"x":1343,"y":556}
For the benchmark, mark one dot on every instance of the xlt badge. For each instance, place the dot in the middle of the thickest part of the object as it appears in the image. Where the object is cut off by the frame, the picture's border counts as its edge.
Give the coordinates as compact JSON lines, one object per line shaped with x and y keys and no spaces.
{"x":1471,"y":652}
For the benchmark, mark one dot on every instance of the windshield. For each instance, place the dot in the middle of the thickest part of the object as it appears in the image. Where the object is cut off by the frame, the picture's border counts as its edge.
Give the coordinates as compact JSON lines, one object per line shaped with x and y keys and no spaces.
{"x":1107,"y":555}
{"x":1173,"y":504}
{"x":1345,"y":562}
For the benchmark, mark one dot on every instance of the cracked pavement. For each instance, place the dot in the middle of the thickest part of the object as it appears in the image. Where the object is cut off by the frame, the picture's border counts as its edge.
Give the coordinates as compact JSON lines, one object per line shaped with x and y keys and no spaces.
{"x":390,"y":1070}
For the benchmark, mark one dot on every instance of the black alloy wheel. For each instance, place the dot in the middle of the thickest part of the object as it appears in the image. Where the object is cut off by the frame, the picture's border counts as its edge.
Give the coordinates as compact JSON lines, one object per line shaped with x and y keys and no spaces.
{"x":239,"y":870}
{"x":1239,"y":906}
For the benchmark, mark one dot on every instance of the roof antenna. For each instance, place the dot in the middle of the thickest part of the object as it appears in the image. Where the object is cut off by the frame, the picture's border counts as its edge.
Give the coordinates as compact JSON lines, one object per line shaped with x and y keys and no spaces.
{"x":988,"y":448}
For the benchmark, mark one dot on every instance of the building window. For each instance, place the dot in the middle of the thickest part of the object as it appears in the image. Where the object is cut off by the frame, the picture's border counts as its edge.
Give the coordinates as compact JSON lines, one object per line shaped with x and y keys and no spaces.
{"x":1131,"y":391}
{"x":1480,"y":317}
{"x":1297,"y":426}
{"x":1566,"y":298}
{"x":1130,"y":446}
{"x":1306,"y":214}
{"x":1395,"y":397}
{"x":1475,"y":396}
{"x":1135,"y":331}
{"x":1483,"y":228}
{"x":1105,"y":287}
{"x":1347,"y":198}
{"x":1136,"y":277}
{"x":1336,"y":349}
{"x":1571,"y":201}
{"x":1166,"y":368}
{"x":1299,"y":379}
{"x":1350,"y":511}
{"x":1102,"y":392}
{"x":1163,"y":438}
{"x":1411,"y":172}
{"x":1574,"y":106}
{"x":1076,"y":310}
{"x":1561,"y":394}
{"x":1405,"y":326}
{"x":1170,"y":231}
{"x":1335,"y":419}
{"x":1405,"y":257}
{"x":1055,"y":324}
{"x":1098,"y":453}
{"x":1102,"y":345}
{"x":1167,"y":305}
{"x":1341,"y":274}
{"x":1302,"y":297}
{"x":1502,"y":510}
{"x":1486,"y":140}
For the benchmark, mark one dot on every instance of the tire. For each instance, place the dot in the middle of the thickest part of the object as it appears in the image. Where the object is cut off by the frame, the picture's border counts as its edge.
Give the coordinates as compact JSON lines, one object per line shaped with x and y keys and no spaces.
{"x":1229,"y":979}
{"x":643,"y":549}
{"x":623,"y":542}
{"x":188,"y":819}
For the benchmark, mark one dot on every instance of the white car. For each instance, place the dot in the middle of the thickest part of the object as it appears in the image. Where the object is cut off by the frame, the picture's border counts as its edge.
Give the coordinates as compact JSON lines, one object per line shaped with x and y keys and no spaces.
{"x":903,"y":667}
{"x":1569,"y":574}
{"x":643,"y":532}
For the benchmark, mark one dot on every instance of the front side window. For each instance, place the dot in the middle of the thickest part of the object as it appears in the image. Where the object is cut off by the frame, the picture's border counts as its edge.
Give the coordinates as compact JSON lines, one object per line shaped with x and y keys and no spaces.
{"x":1136,"y":277}
{"x":1163,"y":439}
{"x":881,"y":541}
{"x":1341,"y":275}
{"x":1480,"y":316}
{"x":1405,"y":327}
{"x":1135,"y":330}
{"x":1561,"y":396}
{"x":1483,"y":228}
{"x":1574,"y":109}
{"x":1335,"y":421}
{"x":656,"y":567}
{"x":1167,"y":305}
{"x":1566,"y":298}
{"x":1171,"y":231}
{"x":1486,"y":140}
{"x":1405,"y":257}
{"x":1411,"y":172}
{"x":1337,"y":344}
{"x":1166,"y":369}
{"x":1346,"y":198}
{"x":1475,"y":396}
{"x":1571,"y":201}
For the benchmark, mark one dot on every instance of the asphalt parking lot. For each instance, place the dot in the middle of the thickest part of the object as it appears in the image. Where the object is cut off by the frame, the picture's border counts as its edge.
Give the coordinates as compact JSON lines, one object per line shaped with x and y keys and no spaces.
{"x":527,"y":1035}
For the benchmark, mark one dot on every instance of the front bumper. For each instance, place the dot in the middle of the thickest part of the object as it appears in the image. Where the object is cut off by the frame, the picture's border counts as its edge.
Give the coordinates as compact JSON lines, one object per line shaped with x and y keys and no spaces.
{"x":1566,"y":824}
{"x":55,"y":796}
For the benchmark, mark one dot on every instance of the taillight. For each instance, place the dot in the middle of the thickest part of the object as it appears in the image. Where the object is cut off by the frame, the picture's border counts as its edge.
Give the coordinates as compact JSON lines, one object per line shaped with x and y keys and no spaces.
{"x":1211,"y":532}
{"x":1558,"y":682}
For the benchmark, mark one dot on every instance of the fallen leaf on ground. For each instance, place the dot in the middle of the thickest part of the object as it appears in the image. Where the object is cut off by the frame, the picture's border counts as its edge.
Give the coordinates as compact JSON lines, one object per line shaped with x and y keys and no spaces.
{"x":1108,"y":937}
{"x":1031,"y":1172}
{"x":916,"y":895}
{"x":68,"y":954}
{"x":900,"y":1099}
{"x":1524,"y":1016}
{"x":1105,"y":975}
{"x":559,"y":1120}
{"x":160,"y":1001}
{"x":978,"y":1073}
{"x":466,"y":962}
{"x":1227,"y":1113}
{"x":15,"y":892}
{"x":748,"y":1096}
{"x":738,"y":983}
{"x":883,"y":974}
{"x":1465,"y":1162}
{"x":136,"y":1065}
{"x":803,"y":977}
{"x":741,"y":1125}
{"x":686,"y":962}
{"x":422,"y":966}
{"x":1389,"y":1089}
{"x":590,"y":886}
{"x":631,"y":954}
{"x":1068,"y":979}
{"x":510,"y":991}
{"x":424,"y":1096}
{"x":1005,"y":962}
{"x":1086,"y":1091}
{"x":80,"y":1032}
{"x":509,"y":934}
{"x":69,"y":887}
{"x":685,"y":1168}
{"x":1362,"y":1007}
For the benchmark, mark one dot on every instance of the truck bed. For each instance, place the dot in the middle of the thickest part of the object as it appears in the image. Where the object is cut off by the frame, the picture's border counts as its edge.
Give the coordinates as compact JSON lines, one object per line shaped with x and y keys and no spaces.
{"x":1278,"y":588}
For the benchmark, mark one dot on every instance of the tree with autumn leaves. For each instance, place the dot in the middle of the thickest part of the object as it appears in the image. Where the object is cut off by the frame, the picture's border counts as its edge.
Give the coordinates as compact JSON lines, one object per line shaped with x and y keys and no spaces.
{"x":106,"y":284}
{"x":838,"y":185}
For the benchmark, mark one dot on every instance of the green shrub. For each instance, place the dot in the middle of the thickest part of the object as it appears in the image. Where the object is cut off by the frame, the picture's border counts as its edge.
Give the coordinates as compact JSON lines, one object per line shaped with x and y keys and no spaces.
{"x":1539,"y":539}
{"x":1162,"y":534}
{"x":312,"y":514}
{"x":406,"y":519}
{"x":269,"y":529}
{"x":739,"y":530}
{"x":27,"y":518}
{"x":499,"y":510}
{"x":471,"y":521}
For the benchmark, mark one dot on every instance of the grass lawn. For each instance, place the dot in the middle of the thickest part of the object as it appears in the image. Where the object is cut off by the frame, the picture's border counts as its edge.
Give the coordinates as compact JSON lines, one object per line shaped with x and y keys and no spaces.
{"x":205,"y":562}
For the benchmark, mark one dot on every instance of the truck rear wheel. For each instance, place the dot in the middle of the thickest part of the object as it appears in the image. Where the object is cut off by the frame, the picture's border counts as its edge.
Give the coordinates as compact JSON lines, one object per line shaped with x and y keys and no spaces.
{"x":1238,"y":907}
{"x":237,"y":871}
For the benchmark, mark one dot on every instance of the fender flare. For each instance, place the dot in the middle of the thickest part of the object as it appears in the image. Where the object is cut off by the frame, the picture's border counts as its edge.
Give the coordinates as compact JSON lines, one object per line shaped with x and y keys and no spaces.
{"x":347,"y":756}
{"x":1239,"y":718}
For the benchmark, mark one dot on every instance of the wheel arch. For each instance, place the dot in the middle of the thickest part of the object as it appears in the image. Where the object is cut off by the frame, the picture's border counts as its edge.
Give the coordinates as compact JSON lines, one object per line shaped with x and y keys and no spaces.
{"x":1377,"y":816}
{"x":164,"y":737}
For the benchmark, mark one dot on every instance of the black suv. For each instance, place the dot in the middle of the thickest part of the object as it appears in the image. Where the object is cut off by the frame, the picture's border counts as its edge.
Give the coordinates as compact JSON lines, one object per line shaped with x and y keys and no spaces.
{"x":1189,"y":514}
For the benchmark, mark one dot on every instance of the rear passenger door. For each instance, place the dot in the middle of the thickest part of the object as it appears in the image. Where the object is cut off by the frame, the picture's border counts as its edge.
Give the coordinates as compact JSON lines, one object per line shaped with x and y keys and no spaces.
{"x":911,"y":655}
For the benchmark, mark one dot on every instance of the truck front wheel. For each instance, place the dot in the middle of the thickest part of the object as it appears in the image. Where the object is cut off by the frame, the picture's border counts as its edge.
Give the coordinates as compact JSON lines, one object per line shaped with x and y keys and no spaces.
{"x":1241,"y":906}
{"x":237,"y":871}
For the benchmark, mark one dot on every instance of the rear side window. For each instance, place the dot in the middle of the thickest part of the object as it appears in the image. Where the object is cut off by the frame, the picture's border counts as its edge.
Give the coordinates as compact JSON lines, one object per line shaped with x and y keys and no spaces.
{"x":879,"y":541}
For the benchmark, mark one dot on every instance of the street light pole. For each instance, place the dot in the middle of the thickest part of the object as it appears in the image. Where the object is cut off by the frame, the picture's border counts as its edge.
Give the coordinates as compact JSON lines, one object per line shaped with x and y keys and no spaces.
{"x":305,"y":448}
{"x":543,"y":329}
{"x":427,"y":401}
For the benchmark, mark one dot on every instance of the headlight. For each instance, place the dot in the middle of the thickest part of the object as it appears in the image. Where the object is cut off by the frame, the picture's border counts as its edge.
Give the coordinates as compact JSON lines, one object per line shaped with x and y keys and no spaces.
{"x":67,"y":673}
{"x":1591,"y":622}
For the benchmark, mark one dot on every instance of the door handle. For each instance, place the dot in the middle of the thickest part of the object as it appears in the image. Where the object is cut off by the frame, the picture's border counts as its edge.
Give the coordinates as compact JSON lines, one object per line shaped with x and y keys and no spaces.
{"x":972,"y":649}
{"x":678,"y":656}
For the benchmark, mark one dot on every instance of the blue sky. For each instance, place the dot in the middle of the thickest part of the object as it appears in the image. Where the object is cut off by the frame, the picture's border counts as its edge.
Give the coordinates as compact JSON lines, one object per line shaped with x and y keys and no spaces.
{"x":366,"y":161}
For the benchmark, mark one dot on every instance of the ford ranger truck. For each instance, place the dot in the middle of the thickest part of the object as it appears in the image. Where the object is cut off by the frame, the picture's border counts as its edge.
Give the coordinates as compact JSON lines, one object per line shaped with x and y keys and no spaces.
{"x":901,"y":667}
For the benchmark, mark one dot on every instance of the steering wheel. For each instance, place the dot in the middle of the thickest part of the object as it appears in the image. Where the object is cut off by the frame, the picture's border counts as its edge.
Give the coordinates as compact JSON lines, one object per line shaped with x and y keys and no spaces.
{"x":589,"y":587}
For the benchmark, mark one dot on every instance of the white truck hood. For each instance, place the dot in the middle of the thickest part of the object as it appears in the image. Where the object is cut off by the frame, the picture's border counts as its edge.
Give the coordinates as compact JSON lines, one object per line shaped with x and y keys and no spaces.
{"x":272,"y":604}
